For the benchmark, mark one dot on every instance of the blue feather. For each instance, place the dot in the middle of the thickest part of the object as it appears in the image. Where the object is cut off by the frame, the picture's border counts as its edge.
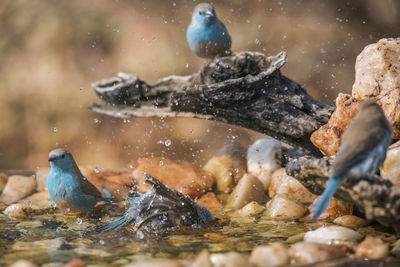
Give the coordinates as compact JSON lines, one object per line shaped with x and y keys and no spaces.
{"x":326,"y":197}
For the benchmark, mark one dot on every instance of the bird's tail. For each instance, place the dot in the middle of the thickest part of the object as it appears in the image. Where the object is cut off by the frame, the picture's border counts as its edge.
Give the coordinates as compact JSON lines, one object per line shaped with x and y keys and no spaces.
{"x":108,"y":196}
{"x":114,"y":225}
{"x":326,"y":197}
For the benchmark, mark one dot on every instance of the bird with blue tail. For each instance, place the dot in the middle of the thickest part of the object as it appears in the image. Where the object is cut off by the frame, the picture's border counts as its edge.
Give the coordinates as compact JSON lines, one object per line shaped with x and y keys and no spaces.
{"x":206,"y":34}
{"x":362,"y":150}
{"x":68,"y":188}
{"x":160,"y":208}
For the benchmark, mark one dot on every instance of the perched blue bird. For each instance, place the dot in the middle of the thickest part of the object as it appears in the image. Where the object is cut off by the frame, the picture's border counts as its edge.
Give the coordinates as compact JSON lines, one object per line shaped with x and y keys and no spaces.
{"x":362,"y":150}
{"x":160,"y":208}
{"x":206,"y":34}
{"x":68,"y":188}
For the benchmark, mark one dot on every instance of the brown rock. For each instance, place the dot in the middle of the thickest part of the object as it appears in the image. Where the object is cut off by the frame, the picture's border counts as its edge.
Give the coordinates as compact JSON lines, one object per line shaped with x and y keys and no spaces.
{"x":350,"y":221}
{"x":391,"y":167}
{"x":118,"y":183}
{"x":228,"y":166}
{"x":372,"y":248}
{"x":17,"y":187}
{"x":335,"y":209}
{"x":75,"y":263}
{"x":268,"y":256}
{"x":247,"y":190}
{"x":378,"y":76}
{"x":186,"y":177}
{"x":210,"y":201}
{"x":308,"y":252}
{"x":283,"y":184}
{"x":41,"y":178}
{"x":327,"y":138}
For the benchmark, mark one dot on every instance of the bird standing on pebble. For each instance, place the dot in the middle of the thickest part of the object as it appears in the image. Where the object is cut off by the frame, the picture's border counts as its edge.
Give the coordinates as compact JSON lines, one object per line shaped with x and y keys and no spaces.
{"x":68,"y":188}
{"x":206,"y":34}
{"x":362,"y":150}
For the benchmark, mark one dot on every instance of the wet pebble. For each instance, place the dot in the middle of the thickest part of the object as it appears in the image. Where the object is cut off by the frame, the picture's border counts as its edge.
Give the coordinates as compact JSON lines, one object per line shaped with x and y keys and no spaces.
{"x":228,"y":166}
{"x":23,"y":263}
{"x":372,"y":248}
{"x":39,"y":200}
{"x":263,"y":159}
{"x":202,"y":259}
{"x":18,"y":211}
{"x":309,"y":252}
{"x":55,"y":243}
{"x":17,"y":187}
{"x":210,"y":201}
{"x":280,"y":207}
{"x":231,"y":259}
{"x":185,"y":177}
{"x":335,"y":209}
{"x":247,"y":190}
{"x":251,"y":209}
{"x":391,"y":166}
{"x":268,"y":256}
{"x":157,"y":263}
{"x":350,"y":221}
{"x":281,"y":183}
{"x":333,"y":235}
{"x":28,"y":225}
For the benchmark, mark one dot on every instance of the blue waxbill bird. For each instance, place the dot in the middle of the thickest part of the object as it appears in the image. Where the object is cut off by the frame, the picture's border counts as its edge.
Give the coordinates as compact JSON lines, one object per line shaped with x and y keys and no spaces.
{"x":362,"y":150}
{"x":206,"y":34}
{"x":68,"y":188}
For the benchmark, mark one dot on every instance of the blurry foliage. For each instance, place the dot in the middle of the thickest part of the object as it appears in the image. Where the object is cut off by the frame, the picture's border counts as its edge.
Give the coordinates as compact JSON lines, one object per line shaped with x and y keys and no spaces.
{"x":50,"y":52}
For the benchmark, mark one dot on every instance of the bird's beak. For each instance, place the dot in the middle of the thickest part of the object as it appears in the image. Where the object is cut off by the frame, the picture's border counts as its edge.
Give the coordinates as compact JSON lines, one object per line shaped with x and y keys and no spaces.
{"x":52,"y":158}
{"x":209,"y":13}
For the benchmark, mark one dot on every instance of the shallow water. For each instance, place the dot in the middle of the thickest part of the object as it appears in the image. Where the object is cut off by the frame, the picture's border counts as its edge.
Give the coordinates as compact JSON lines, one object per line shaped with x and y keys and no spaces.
{"x":58,"y":238}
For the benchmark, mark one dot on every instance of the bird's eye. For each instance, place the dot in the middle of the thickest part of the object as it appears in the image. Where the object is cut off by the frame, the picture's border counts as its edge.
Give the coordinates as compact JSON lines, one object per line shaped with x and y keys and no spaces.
{"x":201,"y":13}
{"x":63,"y":156}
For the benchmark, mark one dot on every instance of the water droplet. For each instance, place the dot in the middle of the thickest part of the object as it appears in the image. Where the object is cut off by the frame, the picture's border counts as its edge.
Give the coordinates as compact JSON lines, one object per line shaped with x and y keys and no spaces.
{"x":96,"y":120}
{"x":101,"y":242}
{"x":187,"y":65}
{"x":29,"y":203}
{"x":53,"y":205}
{"x":78,"y":221}
{"x":96,"y":170}
{"x":161,"y":163}
{"x":259,"y":26}
{"x":167,"y":143}
{"x":55,"y":129}
{"x":140,"y":234}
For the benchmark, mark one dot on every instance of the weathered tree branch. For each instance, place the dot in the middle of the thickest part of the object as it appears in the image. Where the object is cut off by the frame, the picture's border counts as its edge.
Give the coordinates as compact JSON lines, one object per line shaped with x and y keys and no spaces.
{"x":378,"y":198}
{"x":246,"y":89}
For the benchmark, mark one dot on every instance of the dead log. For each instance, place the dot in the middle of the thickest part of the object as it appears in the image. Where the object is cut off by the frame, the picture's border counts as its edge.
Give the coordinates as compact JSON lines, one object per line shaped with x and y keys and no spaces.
{"x":246,"y":89}
{"x":376,"y":197}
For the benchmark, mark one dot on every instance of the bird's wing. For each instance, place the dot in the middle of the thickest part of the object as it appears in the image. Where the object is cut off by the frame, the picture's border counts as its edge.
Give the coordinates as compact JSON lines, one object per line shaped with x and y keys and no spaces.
{"x":86,"y":186}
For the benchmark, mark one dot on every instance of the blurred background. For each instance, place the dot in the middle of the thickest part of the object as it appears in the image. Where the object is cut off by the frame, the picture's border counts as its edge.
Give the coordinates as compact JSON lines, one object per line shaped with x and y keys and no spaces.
{"x":51,"y":51}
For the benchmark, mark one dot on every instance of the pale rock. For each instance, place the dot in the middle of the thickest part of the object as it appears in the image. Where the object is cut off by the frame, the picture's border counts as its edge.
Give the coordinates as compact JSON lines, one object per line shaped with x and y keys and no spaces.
{"x":268,"y":256}
{"x":18,"y":211}
{"x":41,"y":178}
{"x":3,"y":181}
{"x":333,"y":235}
{"x":17,"y":187}
{"x":372,"y":248}
{"x":283,"y":184}
{"x":263,"y":159}
{"x":228,"y":166}
{"x":391,"y":166}
{"x":251,"y":209}
{"x":350,"y":221}
{"x":247,"y":190}
{"x":308,"y":252}
{"x":378,"y":76}
{"x":230,"y":259}
{"x":202,"y":259}
{"x":280,"y":207}
{"x":22,"y":263}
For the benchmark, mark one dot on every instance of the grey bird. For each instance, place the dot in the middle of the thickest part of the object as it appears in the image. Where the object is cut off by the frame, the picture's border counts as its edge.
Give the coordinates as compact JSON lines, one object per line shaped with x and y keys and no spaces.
{"x":362,"y":150}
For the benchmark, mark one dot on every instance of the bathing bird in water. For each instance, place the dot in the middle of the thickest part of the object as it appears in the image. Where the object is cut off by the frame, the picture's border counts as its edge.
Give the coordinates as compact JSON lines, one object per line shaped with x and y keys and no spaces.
{"x":206,"y":34}
{"x":68,"y":188}
{"x":362,"y":150}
